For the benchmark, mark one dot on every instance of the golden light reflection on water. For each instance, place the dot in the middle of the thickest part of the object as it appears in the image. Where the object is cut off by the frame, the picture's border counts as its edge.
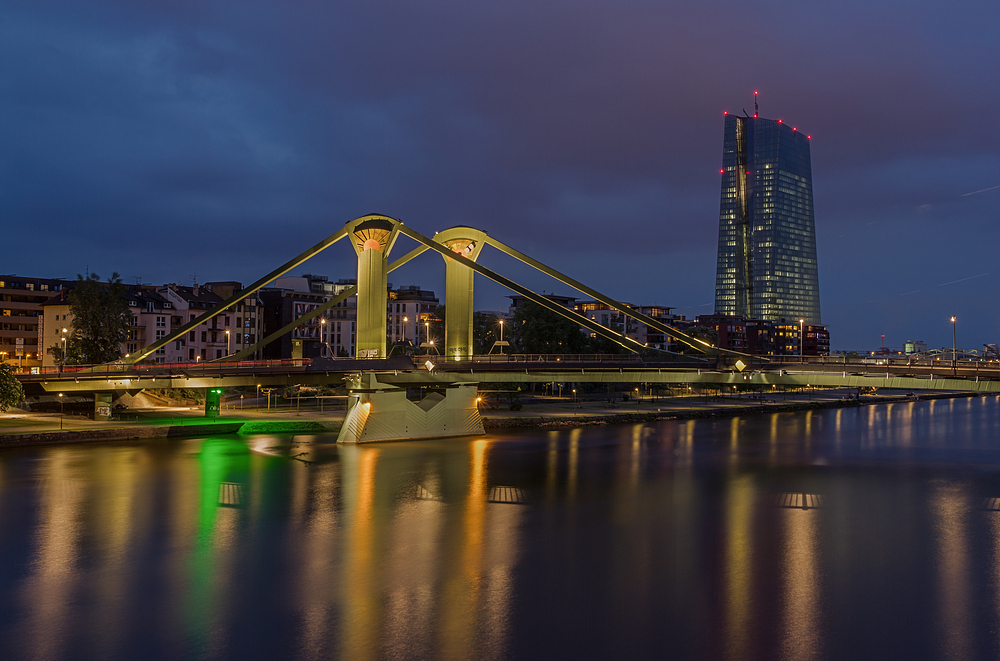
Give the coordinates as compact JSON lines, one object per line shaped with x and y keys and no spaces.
{"x":838,"y":438}
{"x":315,"y":559}
{"x":551,"y":465}
{"x":359,"y":596}
{"x":773,"y":438}
{"x":120,"y":509}
{"x":573,"y":463}
{"x":802,"y":618}
{"x":462,"y":590}
{"x":54,"y":574}
{"x":949,"y":509}
{"x":739,"y":567}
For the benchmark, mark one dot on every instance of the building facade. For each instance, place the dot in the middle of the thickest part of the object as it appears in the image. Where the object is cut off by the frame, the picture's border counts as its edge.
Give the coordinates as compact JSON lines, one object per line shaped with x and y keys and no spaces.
{"x":766,"y":265}
{"x":159,"y":311}
{"x":412,"y":316}
{"x":22,"y":326}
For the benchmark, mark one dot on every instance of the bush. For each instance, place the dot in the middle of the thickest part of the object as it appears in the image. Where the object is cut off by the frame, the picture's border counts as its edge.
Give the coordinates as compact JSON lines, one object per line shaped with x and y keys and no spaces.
{"x":516,"y":405}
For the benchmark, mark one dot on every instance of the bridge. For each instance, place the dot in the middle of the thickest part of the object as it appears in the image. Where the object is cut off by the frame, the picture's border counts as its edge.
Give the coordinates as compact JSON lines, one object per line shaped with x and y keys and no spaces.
{"x":378,"y":408}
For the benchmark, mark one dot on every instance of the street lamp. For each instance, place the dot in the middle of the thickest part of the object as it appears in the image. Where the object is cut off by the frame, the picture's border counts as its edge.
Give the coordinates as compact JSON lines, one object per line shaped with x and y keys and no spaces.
{"x":405,"y":320}
{"x":954,"y":348}
{"x":64,"y":345}
{"x":60,"y":410}
{"x":802,"y":344}
{"x":501,"y":337}
{"x":323,"y":336}
{"x":228,"y":350}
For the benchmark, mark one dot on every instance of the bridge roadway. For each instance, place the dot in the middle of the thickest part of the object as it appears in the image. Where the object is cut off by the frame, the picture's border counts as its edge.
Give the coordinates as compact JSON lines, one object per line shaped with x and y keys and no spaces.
{"x":840,"y":372}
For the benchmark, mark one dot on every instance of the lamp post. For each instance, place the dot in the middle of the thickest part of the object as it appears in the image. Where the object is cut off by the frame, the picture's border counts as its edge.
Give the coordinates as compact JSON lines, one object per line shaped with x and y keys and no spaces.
{"x":60,"y":410}
{"x":323,"y":336}
{"x":954,"y":348}
{"x":802,"y":344}
{"x":64,"y":348}
{"x":405,"y":319}
{"x":228,"y":336}
{"x":501,"y":338}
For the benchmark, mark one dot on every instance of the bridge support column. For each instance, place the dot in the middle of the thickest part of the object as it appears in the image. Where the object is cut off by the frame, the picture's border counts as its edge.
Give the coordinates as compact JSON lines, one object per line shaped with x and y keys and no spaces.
{"x":102,"y":405}
{"x":458,"y":340}
{"x":213,"y":398}
{"x":372,"y":241}
{"x":381,"y":412}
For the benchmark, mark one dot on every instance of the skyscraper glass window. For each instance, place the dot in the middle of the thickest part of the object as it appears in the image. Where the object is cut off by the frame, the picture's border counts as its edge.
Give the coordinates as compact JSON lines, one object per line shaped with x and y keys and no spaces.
{"x":767,"y":233}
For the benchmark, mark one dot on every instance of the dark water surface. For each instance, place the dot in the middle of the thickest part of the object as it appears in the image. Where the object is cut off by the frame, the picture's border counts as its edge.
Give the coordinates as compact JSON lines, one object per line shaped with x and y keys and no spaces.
{"x":869,"y":533}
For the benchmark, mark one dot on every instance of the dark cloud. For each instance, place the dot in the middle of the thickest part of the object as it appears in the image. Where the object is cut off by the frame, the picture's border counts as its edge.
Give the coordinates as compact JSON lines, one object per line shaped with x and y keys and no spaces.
{"x":163,"y":139}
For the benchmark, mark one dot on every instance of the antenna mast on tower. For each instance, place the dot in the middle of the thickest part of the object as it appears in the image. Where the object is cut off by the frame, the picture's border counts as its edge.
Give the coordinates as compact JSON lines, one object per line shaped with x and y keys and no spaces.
{"x":755,"y":104}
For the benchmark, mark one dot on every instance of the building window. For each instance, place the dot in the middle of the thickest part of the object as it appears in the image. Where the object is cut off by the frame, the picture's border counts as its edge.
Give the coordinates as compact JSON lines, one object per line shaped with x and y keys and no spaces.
{"x":161,"y":322}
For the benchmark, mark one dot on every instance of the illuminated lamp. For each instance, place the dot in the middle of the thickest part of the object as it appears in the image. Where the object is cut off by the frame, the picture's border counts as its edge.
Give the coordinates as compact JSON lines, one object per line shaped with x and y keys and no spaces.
{"x":371,"y":244}
{"x":779,"y":121}
{"x":755,"y":115}
{"x":725,"y":112}
{"x":722,"y":171}
{"x":808,"y":137}
{"x":794,"y":129}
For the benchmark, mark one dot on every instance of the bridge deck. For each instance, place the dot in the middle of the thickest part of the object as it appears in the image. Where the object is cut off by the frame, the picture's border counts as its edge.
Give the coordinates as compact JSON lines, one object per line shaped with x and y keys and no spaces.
{"x":977,"y":376}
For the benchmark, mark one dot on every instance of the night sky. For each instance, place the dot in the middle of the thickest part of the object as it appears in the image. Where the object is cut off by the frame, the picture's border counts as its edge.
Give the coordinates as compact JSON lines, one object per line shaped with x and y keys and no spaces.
{"x":180,"y":139}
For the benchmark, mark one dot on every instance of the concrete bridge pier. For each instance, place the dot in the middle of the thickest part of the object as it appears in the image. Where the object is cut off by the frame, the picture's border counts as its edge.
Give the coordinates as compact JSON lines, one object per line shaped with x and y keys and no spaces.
{"x":102,"y":405}
{"x":381,"y":412}
{"x":458,"y":341}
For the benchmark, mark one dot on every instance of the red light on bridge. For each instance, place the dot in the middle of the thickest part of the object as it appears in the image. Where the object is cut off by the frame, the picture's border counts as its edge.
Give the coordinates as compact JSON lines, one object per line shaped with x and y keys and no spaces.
{"x":725,"y":112}
{"x":794,"y":129}
{"x":722,"y":170}
{"x":808,"y":137}
{"x":755,"y":115}
{"x":780,"y":122}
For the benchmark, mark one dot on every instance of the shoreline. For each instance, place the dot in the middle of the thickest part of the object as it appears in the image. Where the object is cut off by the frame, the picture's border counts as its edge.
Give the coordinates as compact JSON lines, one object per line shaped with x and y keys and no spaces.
{"x":196,"y":426}
{"x":521,"y":420}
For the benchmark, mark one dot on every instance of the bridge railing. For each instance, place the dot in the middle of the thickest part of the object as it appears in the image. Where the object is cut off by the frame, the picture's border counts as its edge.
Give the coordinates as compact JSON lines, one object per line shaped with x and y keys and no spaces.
{"x":112,"y":370}
{"x":506,"y":358}
{"x":936,"y":365}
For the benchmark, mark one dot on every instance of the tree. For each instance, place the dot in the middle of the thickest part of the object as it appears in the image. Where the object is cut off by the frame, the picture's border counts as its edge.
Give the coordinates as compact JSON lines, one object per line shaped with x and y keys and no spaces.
{"x":707,"y":333}
{"x":538,"y":330}
{"x":485,"y":331}
{"x":101,"y":320}
{"x":11,"y":392}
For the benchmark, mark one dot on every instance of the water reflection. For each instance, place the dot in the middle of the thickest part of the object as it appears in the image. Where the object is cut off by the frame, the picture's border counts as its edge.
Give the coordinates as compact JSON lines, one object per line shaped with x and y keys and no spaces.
{"x":636,"y":541}
{"x":950,"y":509}
{"x":802,"y":622}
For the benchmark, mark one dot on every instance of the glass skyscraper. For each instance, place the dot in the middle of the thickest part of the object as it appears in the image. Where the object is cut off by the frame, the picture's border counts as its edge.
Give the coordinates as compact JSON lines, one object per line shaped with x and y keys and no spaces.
{"x":767,"y":234}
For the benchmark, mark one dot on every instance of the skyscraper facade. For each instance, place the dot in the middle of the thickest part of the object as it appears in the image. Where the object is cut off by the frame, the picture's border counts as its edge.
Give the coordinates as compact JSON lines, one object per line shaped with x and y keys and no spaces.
{"x":767,"y":233}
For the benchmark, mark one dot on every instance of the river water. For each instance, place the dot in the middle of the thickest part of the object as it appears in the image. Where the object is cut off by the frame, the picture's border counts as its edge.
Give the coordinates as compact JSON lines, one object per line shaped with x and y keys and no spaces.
{"x":862,"y":533}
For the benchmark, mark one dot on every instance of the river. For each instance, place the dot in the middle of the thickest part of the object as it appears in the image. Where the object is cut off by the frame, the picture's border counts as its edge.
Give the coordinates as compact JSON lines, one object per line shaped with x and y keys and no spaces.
{"x":858,"y":533}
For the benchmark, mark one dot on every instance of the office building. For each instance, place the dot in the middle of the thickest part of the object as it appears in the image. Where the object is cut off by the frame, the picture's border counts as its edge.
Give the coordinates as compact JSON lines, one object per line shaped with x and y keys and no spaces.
{"x":767,"y":237}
